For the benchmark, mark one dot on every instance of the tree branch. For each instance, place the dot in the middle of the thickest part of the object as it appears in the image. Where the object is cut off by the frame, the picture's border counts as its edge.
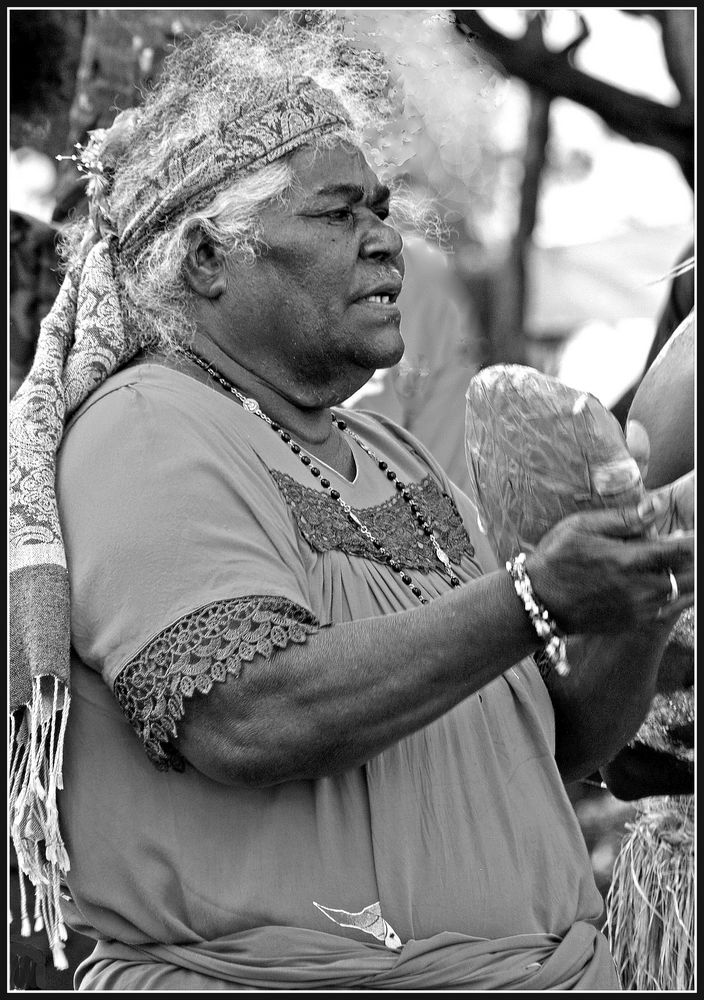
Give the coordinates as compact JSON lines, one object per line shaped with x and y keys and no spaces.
{"x":677,"y":27}
{"x":571,"y":47}
{"x":637,"y":118}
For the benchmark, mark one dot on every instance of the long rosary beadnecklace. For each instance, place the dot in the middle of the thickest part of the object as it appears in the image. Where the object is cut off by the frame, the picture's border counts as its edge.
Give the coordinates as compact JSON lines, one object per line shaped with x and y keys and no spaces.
{"x":252,"y":406}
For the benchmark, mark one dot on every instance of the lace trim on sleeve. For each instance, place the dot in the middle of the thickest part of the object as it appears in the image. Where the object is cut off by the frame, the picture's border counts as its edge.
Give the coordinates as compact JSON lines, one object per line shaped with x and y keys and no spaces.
{"x":207,"y":645}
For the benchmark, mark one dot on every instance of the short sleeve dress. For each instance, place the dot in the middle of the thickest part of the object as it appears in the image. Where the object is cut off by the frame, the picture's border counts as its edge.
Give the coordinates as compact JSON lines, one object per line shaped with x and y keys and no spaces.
{"x":197,"y":540}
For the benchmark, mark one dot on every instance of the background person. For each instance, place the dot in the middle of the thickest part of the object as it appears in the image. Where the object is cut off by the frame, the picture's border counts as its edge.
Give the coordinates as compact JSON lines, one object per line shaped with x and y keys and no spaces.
{"x":654,"y":944}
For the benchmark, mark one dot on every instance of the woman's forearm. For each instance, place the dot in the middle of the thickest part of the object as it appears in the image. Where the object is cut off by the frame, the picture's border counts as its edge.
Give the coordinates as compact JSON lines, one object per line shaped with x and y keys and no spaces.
{"x":600,"y":705}
{"x":354,"y":689}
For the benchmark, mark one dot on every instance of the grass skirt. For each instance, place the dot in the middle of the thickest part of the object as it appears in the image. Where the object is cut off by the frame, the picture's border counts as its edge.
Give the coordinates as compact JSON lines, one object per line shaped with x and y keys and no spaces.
{"x":650,"y":904}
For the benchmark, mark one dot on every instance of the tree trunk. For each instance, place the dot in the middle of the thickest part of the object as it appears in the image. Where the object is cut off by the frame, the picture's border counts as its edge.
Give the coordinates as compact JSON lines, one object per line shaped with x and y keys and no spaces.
{"x":507,"y":342}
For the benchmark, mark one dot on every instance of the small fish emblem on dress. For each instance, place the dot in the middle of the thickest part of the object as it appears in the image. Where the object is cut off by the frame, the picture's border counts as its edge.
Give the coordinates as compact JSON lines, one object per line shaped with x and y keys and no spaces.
{"x":369,"y":920}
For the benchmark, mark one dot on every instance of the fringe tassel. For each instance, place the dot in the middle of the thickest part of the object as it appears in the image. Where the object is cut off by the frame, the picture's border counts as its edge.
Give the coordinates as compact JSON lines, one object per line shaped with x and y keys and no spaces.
{"x":650,"y":905}
{"x":35,"y":777}
{"x":38,"y":917}
{"x":26,"y":926}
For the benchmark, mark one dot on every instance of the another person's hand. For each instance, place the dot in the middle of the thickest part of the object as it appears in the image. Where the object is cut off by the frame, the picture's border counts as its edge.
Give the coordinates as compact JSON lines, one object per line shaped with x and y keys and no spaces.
{"x":677,"y":501}
{"x":638,"y":443}
{"x":597,"y":573}
{"x":677,"y":497}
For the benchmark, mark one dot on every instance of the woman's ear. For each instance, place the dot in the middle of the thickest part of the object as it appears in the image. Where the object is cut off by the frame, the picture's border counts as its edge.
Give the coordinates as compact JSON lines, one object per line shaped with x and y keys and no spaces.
{"x":205,"y":270}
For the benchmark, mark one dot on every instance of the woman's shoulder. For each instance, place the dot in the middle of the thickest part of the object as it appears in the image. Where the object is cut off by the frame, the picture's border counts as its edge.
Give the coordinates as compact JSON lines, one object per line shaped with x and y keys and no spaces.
{"x":153,"y":404}
{"x":158,"y":387}
{"x":149,"y":416}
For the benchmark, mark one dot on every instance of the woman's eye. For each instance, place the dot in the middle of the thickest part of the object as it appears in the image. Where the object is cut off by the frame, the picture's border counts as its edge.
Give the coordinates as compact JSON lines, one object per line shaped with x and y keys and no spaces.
{"x":346,"y":214}
{"x":339,"y":214}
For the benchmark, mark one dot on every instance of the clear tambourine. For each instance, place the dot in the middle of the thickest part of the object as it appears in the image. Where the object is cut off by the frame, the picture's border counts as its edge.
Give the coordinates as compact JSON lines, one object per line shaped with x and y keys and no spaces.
{"x":538,"y":450}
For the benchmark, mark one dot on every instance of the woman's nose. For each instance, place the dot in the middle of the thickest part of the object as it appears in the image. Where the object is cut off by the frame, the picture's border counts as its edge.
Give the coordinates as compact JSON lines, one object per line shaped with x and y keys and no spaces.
{"x":381,"y":241}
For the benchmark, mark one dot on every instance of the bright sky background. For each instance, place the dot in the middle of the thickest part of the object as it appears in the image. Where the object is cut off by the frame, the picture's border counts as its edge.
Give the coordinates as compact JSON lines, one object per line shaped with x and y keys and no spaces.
{"x":629,"y":184}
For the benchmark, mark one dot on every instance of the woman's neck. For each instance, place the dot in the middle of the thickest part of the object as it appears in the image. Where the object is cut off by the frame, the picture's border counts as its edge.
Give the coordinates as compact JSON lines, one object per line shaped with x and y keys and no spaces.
{"x":309,"y":426}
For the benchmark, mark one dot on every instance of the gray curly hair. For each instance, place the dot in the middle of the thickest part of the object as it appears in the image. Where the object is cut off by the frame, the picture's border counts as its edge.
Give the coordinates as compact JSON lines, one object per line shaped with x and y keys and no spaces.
{"x":222,"y":76}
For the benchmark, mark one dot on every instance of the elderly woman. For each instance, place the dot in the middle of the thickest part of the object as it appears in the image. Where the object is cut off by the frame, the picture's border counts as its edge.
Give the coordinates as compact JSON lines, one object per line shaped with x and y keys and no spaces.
{"x":353,"y":767}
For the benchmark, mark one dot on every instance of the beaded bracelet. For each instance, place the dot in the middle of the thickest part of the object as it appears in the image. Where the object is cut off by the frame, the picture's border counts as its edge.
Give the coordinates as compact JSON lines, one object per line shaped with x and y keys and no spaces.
{"x":555,"y":651}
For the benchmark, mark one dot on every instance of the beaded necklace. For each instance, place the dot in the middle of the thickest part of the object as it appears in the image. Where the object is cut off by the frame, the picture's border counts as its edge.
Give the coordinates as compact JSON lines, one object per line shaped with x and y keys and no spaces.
{"x":252,"y":406}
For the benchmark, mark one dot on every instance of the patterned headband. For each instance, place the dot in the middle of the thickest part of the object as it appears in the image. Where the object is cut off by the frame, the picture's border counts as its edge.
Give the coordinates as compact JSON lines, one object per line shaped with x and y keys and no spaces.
{"x":209,"y":163}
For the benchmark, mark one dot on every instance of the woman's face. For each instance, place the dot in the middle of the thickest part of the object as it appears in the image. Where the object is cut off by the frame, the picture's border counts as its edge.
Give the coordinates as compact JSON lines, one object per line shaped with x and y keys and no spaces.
{"x":315,"y":315}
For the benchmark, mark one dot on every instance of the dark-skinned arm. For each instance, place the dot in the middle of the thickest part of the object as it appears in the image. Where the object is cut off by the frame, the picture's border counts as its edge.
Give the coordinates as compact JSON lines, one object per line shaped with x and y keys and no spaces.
{"x":600,"y":705}
{"x":358,"y":687}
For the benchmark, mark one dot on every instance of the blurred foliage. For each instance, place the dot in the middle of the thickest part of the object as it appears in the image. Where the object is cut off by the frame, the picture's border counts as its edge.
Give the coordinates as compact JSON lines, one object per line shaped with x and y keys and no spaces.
{"x":44,"y":52}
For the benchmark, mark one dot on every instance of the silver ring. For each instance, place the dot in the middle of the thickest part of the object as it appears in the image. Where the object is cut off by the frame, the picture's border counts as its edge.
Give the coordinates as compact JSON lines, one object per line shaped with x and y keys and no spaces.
{"x":674,"y":589}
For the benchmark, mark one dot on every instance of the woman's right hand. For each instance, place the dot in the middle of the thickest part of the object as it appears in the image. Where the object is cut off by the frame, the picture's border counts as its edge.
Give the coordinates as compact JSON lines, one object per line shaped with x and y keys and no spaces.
{"x":595,"y":571}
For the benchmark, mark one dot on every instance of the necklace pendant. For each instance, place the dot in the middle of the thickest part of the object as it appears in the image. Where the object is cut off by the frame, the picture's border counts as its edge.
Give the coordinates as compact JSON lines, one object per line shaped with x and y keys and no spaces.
{"x":442,"y":556}
{"x":252,"y":405}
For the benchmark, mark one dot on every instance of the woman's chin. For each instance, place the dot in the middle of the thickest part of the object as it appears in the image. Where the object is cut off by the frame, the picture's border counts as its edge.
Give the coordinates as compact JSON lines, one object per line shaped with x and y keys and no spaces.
{"x":387,"y":351}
